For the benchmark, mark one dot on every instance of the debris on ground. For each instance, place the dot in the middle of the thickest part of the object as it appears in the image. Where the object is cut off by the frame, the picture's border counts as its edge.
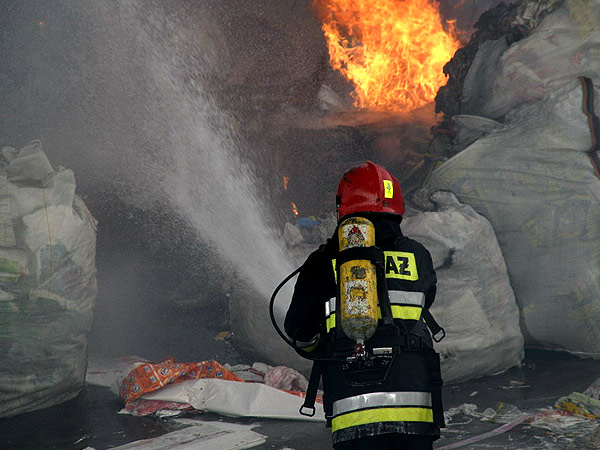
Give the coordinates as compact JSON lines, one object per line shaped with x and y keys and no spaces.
{"x":514,"y":384}
{"x":488,"y":415}
{"x":169,"y":388}
{"x":573,"y":422}
{"x":207,"y":435}
{"x":563,"y":422}
{"x":222,"y":336}
{"x":586,"y":403}
{"x":503,"y":413}
{"x":279,"y":377}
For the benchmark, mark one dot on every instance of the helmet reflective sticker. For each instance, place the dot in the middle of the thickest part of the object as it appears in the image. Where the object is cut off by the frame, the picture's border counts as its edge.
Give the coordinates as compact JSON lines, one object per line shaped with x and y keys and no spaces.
{"x":388,"y":189}
{"x":368,"y":188}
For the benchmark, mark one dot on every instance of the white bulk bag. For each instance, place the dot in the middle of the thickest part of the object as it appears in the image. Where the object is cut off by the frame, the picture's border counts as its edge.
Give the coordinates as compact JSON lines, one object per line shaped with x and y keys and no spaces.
{"x":475,"y":303}
{"x":563,"y":46}
{"x":47,"y":282}
{"x":533,"y":179}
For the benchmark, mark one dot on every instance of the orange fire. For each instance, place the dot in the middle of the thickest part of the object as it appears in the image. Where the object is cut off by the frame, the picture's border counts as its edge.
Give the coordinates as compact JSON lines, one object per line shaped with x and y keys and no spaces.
{"x":295,"y":209}
{"x":393,"y":51}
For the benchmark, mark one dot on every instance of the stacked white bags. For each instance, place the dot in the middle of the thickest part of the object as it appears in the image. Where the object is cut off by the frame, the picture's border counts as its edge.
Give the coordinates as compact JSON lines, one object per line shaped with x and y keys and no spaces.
{"x":533,"y":178}
{"x":47,"y":282}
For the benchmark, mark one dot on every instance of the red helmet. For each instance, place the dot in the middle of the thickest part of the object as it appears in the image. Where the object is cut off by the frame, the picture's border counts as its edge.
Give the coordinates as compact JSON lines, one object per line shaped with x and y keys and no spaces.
{"x":369,"y":188}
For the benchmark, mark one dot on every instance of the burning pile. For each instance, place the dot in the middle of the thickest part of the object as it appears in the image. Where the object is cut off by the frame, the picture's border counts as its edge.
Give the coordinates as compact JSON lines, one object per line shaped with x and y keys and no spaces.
{"x":393,"y":51}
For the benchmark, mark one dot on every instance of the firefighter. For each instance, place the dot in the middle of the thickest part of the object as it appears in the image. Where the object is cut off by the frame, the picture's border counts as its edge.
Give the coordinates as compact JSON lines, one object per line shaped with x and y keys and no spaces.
{"x":383,"y":392}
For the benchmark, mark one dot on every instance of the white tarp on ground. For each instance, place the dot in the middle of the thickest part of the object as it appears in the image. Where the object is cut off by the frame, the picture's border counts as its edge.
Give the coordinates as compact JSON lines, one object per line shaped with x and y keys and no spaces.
{"x":230,"y":398}
{"x":534,"y":181}
{"x":47,"y":282}
{"x":235,"y":398}
{"x":475,"y":302}
{"x":200,"y":435}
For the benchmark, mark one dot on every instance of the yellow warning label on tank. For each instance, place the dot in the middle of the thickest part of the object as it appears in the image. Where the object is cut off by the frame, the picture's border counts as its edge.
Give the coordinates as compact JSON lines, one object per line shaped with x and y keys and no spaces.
{"x":388,"y":189}
{"x":401,"y":265}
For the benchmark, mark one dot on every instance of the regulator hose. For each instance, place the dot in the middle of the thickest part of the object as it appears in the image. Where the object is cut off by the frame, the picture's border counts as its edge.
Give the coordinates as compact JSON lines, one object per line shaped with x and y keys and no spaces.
{"x":290,"y":342}
{"x":272,"y":313}
{"x":287,"y":340}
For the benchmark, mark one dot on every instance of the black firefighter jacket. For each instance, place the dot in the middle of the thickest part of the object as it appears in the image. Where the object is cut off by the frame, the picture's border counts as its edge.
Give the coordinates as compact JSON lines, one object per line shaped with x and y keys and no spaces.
{"x":409,"y":399}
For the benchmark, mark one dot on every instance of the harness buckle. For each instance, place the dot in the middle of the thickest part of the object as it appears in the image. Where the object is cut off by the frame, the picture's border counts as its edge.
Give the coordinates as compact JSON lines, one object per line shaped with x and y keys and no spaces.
{"x":440,"y":338}
{"x":413,"y":342}
{"x":312,"y":410}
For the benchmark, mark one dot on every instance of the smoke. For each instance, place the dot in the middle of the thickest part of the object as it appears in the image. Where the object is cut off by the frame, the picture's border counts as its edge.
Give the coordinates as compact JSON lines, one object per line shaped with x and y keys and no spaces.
{"x":122,"y":93}
{"x":195,"y":156}
{"x":126,"y":93}
{"x":466,"y":12}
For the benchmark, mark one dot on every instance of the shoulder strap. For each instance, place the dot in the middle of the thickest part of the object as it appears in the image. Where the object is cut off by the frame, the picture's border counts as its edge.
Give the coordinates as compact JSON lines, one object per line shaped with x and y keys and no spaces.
{"x":433,"y":326}
{"x":311,"y":391}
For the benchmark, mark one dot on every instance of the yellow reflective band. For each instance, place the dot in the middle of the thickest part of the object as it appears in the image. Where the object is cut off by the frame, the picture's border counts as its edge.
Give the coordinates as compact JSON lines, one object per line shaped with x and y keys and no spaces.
{"x":388,"y":189}
{"x":404,"y":312}
{"x":312,"y":347}
{"x":401,"y":265}
{"x":334,"y":271}
{"x":398,"y":265}
{"x":377,"y":415}
{"x":330,"y":322}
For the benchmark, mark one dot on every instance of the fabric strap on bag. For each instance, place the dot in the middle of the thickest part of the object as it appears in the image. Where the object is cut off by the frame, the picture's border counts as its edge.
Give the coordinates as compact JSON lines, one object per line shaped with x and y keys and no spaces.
{"x":311,"y":391}
{"x":433,"y":326}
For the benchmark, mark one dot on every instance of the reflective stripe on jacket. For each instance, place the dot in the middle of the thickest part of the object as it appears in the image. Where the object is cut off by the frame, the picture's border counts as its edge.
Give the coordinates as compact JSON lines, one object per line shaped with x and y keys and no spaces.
{"x":381,"y":407}
{"x":406,"y":305}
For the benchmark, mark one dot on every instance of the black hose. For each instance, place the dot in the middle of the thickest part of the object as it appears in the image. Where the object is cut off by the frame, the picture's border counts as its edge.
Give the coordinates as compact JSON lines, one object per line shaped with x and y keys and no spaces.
{"x":288,"y":341}
{"x":272,"y":313}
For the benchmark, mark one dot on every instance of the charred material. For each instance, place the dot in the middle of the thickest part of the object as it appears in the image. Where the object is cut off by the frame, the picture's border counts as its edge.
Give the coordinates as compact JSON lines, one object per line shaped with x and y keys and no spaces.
{"x":492,"y":25}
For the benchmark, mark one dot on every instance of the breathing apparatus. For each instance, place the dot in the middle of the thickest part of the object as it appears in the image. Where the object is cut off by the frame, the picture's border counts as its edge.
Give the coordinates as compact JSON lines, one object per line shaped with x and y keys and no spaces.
{"x":360,"y":284}
{"x":367,"y":187}
{"x":357,"y":279}
{"x":361,"y":296}
{"x":360,"y":280}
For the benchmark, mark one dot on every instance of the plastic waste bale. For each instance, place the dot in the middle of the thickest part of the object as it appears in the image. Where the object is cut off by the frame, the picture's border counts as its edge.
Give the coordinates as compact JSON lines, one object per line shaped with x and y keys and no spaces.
{"x":534,"y":180}
{"x":475,"y":302}
{"x":47,"y":282}
{"x":563,"y":45}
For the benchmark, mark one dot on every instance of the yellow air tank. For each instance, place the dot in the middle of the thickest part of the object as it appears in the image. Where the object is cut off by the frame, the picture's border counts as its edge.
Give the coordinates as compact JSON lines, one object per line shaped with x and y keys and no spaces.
{"x":358,"y":282}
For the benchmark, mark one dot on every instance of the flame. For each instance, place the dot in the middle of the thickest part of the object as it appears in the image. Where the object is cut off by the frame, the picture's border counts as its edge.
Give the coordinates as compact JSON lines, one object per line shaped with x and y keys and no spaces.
{"x":295,"y":209}
{"x":286,"y":182}
{"x":393,"y":51}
